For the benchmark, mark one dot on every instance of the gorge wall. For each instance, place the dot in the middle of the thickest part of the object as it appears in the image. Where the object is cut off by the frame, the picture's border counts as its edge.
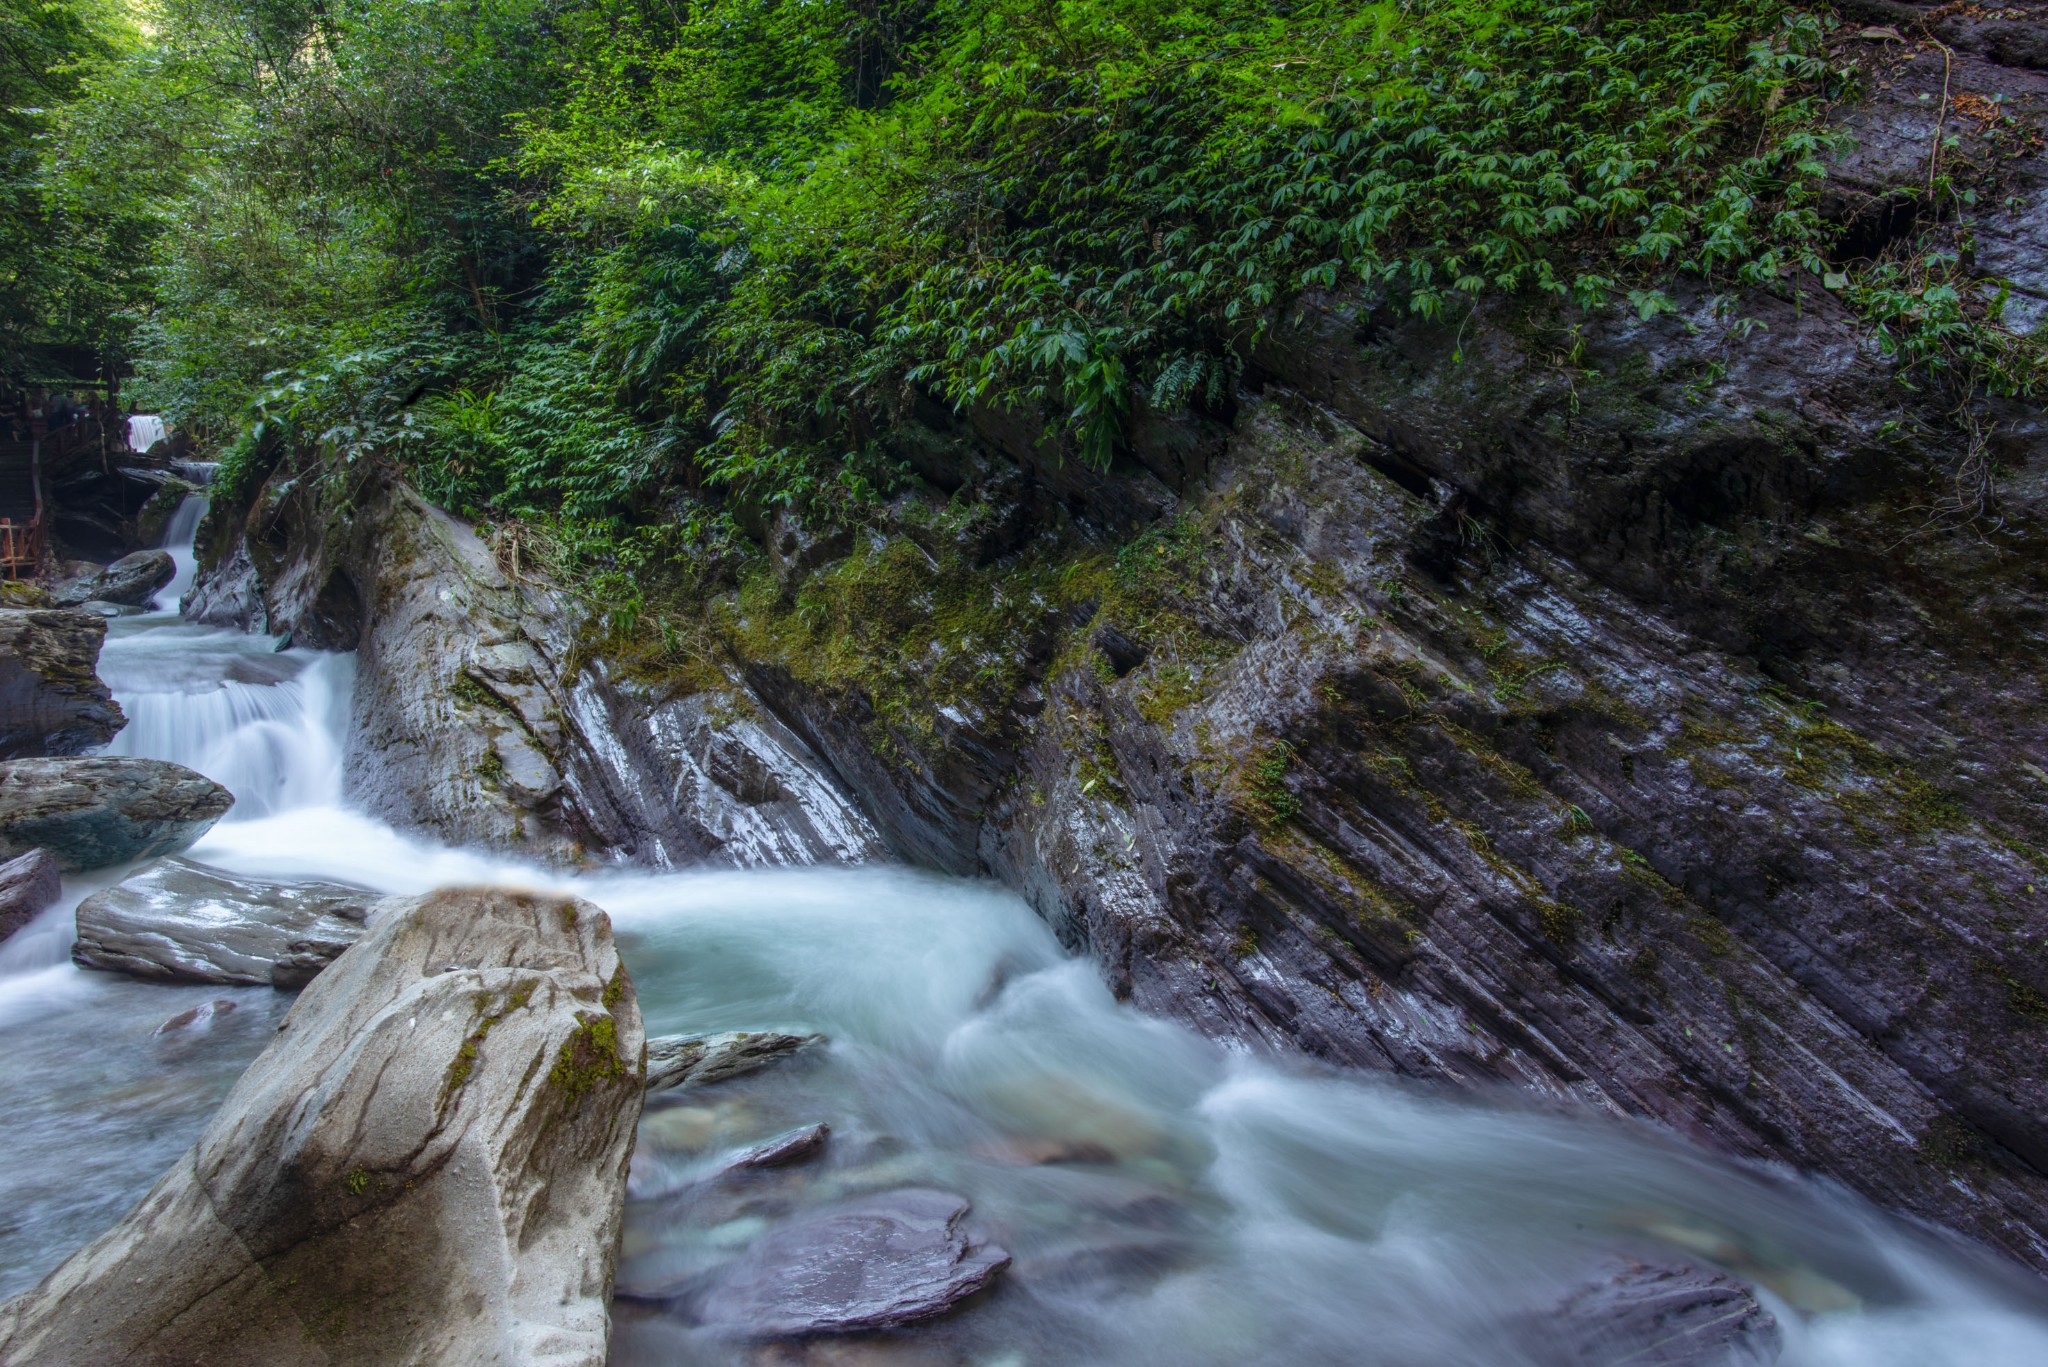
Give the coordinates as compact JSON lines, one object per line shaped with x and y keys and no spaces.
{"x":1633,"y":713}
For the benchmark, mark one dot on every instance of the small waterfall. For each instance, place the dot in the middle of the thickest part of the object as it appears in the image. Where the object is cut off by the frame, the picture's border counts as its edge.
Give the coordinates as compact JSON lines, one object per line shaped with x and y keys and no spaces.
{"x":144,"y":431}
{"x":179,"y":537}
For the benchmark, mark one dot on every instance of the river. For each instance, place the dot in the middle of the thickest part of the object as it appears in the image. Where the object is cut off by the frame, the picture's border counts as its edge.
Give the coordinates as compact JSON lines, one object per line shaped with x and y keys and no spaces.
{"x":1167,"y":1201}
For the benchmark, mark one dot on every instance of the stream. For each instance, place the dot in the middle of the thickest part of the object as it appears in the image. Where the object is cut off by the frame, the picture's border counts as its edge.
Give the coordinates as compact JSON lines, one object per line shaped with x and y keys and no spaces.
{"x":1166,"y":1201}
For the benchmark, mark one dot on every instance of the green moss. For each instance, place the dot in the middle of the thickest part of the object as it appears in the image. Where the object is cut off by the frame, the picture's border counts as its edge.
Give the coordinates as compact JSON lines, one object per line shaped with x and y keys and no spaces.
{"x":1168,"y":690}
{"x":1259,"y":788}
{"x":466,"y":688}
{"x":588,"y":1059}
{"x":1560,"y":922}
{"x":1879,"y":794}
{"x":489,"y":1011}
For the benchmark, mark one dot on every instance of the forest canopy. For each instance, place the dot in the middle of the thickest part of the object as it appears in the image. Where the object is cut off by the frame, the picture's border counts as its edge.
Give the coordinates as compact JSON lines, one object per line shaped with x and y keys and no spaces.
{"x":562,"y":257}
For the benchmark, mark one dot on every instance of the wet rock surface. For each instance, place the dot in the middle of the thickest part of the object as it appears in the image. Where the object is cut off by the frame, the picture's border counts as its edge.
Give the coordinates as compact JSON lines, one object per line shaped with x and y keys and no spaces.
{"x":131,"y":581}
{"x":51,"y":699}
{"x":28,"y":883}
{"x":1647,"y":1316}
{"x":482,"y":714}
{"x":183,"y":922}
{"x":797,"y":1146}
{"x":676,"y":1061}
{"x":426,"y":1165}
{"x":93,"y":812}
{"x":197,"y":1017}
{"x":880,"y":1263}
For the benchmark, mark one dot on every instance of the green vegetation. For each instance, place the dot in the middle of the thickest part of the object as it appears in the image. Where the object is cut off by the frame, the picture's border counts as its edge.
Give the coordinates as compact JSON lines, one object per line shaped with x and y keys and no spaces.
{"x":69,"y":267}
{"x":642,"y":273}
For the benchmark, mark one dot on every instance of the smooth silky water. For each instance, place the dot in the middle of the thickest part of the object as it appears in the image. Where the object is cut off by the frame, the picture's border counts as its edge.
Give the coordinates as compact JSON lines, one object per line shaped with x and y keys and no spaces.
{"x":1167,"y":1202}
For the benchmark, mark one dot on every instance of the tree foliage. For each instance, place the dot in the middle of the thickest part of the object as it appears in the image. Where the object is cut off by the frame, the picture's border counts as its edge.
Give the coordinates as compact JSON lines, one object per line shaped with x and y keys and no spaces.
{"x":564,"y":257}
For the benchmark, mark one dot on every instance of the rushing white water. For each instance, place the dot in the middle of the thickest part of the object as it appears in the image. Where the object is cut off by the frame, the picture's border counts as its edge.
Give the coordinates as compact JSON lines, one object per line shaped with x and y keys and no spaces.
{"x":1167,"y":1202}
{"x":144,"y":431}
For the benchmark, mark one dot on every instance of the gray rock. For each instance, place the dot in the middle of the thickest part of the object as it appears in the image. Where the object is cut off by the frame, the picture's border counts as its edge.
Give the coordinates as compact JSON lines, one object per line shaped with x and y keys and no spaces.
{"x":1643,"y":1316}
{"x":700,"y":1060}
{"x":889,"y":1260}
{"x":201,"y":1015}
{"x":423,"y":1167}
{"x":183,"y":922}
{"x":130,"y":581}
{"x":796,"y":1146}
{"x":51,"y":700}
{"x":27,"y":885}
{"x":99,"y":811}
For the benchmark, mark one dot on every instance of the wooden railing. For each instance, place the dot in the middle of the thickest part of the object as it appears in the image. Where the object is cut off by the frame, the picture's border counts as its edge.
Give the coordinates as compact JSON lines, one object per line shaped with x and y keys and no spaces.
{"x":21,"y":547}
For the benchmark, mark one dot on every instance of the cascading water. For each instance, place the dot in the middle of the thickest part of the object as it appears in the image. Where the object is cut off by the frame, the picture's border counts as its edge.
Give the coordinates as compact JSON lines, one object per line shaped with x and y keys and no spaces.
{"x":1166,"y":1201}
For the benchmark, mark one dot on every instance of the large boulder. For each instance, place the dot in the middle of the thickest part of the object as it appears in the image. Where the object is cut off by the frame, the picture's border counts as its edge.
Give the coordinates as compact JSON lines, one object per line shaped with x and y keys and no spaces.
{"x":427,"y":1165}
{"x":103,"y":810}
{"x":130,"y":581}
{"x":183,"y":922}
{"x":51,"y":700}
{"x":27,"y":885}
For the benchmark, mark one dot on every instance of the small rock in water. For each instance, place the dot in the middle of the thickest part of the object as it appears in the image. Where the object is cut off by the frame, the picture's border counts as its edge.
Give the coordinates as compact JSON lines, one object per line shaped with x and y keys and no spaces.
{"x":794,"y":1147}
{"x":202,"y":1014}
{"x":889,"y":1260}
{"x":1644,"y":1316}
{"x":700,"y":1060}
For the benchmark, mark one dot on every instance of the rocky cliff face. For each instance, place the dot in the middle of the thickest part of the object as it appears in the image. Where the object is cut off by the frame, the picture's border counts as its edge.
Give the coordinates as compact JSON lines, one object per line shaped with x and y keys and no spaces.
{"x":1644,"y":715}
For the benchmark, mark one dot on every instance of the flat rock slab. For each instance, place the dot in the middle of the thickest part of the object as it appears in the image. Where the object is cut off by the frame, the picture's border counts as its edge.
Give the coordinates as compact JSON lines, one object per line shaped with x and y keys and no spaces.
{"x":700,"y":1060}
{"x":184,"y":922}
{"x":98,"y":811}
{"x":1646,"y":1316}
{"x":27,"y":885}
{"x":889,"y":1260}
{"x":427,"y":1165}
{"x":52,"y":701}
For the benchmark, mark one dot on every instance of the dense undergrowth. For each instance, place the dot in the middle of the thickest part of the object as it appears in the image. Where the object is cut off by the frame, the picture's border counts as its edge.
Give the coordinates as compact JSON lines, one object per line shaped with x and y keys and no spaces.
{"x":621,"y":268}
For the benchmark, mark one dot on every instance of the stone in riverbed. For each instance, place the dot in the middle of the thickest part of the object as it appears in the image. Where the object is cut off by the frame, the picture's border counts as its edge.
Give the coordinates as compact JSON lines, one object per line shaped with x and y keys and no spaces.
{"x":183,"y":922}
{"x":794,"y":1147}
{"x":700,"y":1060}
{"x":424,"y":1166}
{"x":51,"y":700}
{"x":1645,"y":1316}
{"x":27,"y":885}
{"x":203,"y":1014}
{"x":130,"y":581}
{"x":888,"y":1260}
{"x":101,"y":810}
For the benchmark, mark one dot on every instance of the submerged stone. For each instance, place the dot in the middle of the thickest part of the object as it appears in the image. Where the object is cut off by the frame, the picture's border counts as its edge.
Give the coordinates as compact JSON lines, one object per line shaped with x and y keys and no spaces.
{"x":203,"y":1014}
{"x":1646,"y":1316}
